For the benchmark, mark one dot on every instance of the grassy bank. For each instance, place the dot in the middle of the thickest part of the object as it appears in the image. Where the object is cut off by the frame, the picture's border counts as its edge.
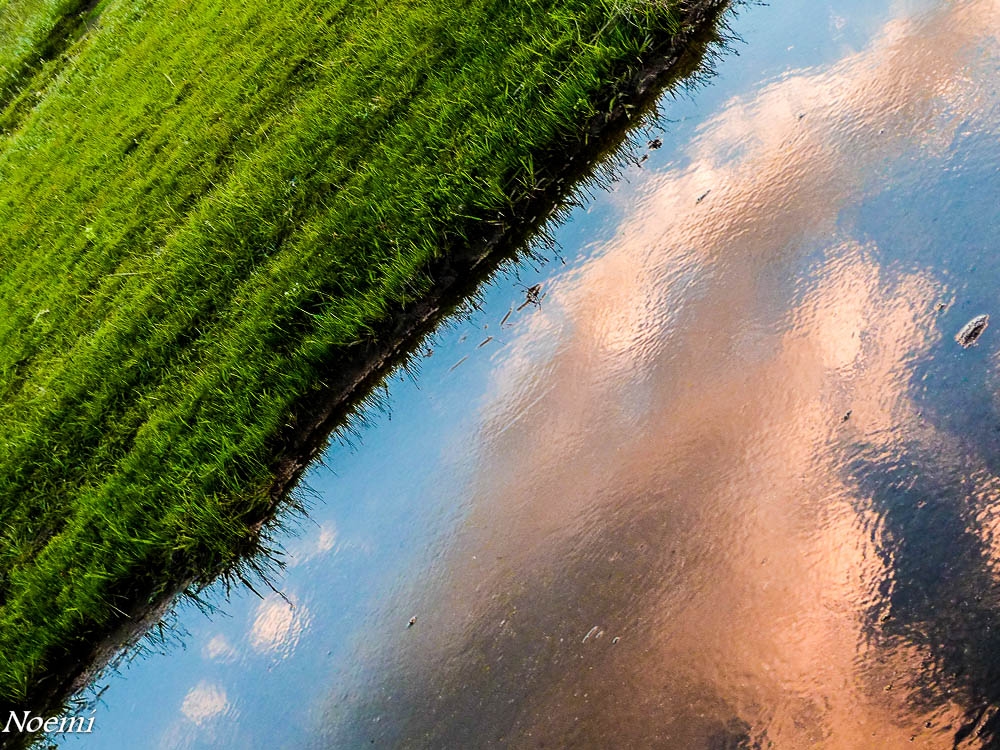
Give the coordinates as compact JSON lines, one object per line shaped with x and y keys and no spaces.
{"x":203,"y":205}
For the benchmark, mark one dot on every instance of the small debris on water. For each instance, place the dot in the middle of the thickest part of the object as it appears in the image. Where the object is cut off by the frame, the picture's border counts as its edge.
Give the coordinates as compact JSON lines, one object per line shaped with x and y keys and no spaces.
{"x":642,"y":159}
{"x":655,"y":144}
{"x":507,"y":316}
{"x":458,"y":363}
{"x":532,"y":296}
{"x":972,"y":330}
{"x":484,"y":342}
{"x":847,"y":415}
{"x":590,"y":633}
{"x":802,"y":115}
{"x":703,"y":196}
{"x":941,"y":306}
{"x":412,"y":622}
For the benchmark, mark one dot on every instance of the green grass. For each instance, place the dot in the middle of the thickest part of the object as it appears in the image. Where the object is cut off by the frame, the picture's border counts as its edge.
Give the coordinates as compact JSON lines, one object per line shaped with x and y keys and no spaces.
{"x":202,"y":204}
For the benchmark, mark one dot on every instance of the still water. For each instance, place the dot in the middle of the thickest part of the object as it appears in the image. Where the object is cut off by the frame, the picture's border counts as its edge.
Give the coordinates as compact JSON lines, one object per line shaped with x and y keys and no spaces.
{"x":733,"y":484}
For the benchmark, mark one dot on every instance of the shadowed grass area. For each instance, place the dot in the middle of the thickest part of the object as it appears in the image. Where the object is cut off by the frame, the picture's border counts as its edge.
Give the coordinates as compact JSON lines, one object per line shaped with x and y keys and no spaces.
{"x":202,"y":205}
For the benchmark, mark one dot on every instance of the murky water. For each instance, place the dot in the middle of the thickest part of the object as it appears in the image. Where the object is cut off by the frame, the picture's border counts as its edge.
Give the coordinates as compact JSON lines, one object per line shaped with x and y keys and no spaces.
{"x":732,"y":485}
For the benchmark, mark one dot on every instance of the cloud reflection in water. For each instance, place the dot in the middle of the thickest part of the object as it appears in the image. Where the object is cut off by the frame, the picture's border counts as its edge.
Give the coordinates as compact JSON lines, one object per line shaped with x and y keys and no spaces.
{"x":665,"y":455}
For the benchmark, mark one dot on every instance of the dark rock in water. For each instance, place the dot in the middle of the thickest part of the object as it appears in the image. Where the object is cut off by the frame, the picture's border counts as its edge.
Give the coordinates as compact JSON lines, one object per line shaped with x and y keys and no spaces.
{"x":972,"y":330}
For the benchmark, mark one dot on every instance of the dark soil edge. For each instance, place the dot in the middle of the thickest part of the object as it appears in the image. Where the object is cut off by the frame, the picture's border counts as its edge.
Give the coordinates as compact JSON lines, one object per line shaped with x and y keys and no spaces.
{"x":460,"y":271}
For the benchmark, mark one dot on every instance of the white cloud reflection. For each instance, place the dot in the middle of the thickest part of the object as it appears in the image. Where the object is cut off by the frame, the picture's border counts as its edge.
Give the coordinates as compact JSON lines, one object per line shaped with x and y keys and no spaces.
{"x":277,"y":625}
{"x":205,"y":701}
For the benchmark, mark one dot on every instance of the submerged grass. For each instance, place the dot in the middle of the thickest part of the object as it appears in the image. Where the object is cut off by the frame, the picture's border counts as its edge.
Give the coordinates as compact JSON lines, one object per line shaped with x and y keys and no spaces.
{"x":203,"y":205}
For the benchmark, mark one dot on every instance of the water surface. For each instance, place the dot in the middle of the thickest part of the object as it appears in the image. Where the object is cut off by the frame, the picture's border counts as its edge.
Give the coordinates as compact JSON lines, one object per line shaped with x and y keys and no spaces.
{"x":733,"y":484}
